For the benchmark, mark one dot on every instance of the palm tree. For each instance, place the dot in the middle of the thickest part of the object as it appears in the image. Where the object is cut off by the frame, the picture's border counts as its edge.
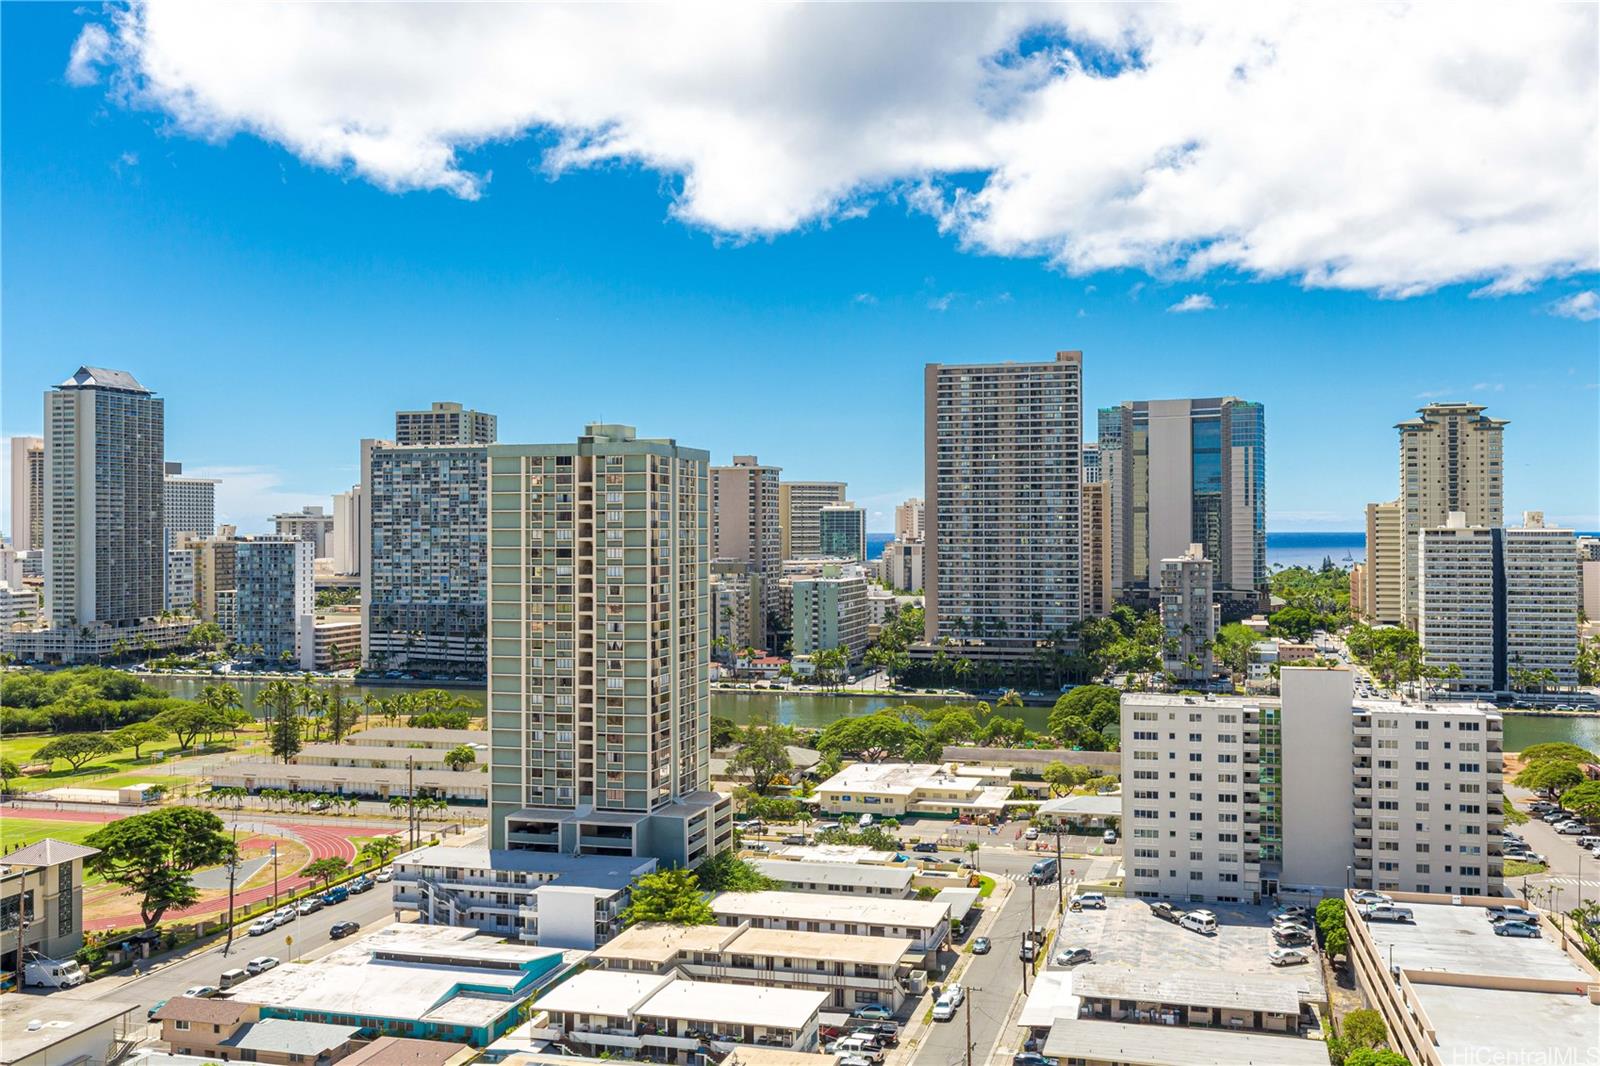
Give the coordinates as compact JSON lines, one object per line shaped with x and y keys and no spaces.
{"x":379,"y":850}
{"x":972,"y":849}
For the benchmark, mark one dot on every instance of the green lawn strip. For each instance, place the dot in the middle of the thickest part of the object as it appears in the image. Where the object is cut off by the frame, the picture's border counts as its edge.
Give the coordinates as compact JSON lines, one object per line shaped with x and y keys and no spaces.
{"x":985,"y":886}
{"x":108,"y":771}
{"x":1514,"y":868}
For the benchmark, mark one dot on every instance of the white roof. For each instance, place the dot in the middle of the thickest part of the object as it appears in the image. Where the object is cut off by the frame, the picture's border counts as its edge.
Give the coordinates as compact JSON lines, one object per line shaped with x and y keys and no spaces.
{"x":1051,"y":998}
{"x":611,"y":992}
{"x":713,"y":1001}
{"x":895,"y":778}
{"x":1092,"y":806}
{"x":835,"y":853}
{"x":814,"y":906}
{"x":1178,"y":1045}
{"x":854,"y":874}
{"x":1189,"y":988}
{"x":960,"y":900}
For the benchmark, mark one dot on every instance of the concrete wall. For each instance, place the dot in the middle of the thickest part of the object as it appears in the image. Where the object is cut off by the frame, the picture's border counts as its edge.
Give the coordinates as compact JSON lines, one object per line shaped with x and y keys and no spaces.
{"x":1318,"y":841}
{"x":1171,"y":470}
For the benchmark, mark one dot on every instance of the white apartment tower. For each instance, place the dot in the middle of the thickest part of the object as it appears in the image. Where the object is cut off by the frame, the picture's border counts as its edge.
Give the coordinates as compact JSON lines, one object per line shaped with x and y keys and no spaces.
{"x":1385,"y":573}
{"x":1189,"y":615}
{"x":744,"y":524}
{"x":444,"y":423}
{"x":1451,"y":460}
{"x":908,"y":520}
{"x":799,"y":503}
{"x":349,"y":530}
{"x":275,"y":599}
{"x":310,"y":523}
{"x":27,"y":493}
{"x":104,"y":436}
{"x":1004,"y":544}
{"x":599,"y":657}
{"x":189,"y":504}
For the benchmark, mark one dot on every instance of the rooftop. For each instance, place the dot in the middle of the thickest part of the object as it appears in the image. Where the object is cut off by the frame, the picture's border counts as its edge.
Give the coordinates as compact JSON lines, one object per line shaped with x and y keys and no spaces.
{"x":30,"y":1024}
{"x":1492,"y":1024}
{"x":662,"y":942}
{"x":402,"y":735}
{"x":272,"y":771}
{"x":102,"y":378}
{"x":210,"y":1011}
{"x":1449,"y":939}
{"x":614,"y":993}
{"x":570,"y":871}
{"x":840,"y":947}
{"x":835,"y":853}
{"x":895,"y":778}
{"x":853,"y":874}
{"x":393,"y":752}
{"x":404,"y":1051}
{"x":1089,"y":806}
{"x":814,"y":906}
{"x":1168,"y":1045}
{"x":287,"y":1037}
{"x":728,"y":1004}
{"x":1190,"y":988}
{"x":47,"y":852}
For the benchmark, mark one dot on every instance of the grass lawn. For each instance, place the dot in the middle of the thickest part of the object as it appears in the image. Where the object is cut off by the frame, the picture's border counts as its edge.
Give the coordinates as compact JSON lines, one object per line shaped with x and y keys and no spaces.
{"x":107,"y":771}
{"x":16,"y":831}
{"x":1514,"y":868}
{"x":1513,"y":816}
{"x":985,"y":886}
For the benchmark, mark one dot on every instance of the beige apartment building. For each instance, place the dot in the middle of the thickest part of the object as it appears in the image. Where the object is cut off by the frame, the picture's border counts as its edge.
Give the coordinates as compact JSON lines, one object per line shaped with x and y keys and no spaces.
{"x":1099,"y":586}
{"x":444,"y":423}
{"x":1002,"y":452}
{"x":1383,"y":575}
{"x":27,"y":493}
{"x":1189,"y":615}
{"x":909,"y":518}
{"x":799,"y":505}
{"x":745,"y":526}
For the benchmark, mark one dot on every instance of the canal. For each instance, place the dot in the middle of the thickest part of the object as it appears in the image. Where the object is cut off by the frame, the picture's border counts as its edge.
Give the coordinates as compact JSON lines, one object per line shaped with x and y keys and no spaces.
{"x":812,"y":710}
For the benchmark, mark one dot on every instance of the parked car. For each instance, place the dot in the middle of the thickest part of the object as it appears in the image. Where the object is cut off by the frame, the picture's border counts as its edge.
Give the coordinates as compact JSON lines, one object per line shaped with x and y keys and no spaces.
{"x":157,"y":1005}
{"x":1387,"y":912}
{"x":311,"y":905}
{"x":1366,"y":897}
{"x":1572,"y":828}
{"x":262,"y":926}
{"x":1511,"y":912}
{"x":1096,"y":900}
{"x":340,"y":930}
{"x":795,"y":838}
{"x":883,"y":1031}
{"x":1109,"y":836}
{"x":1073,"y":956}
{"x":336,"y":894}
{"x":944,"y":1009}
{"x":1031,"y":1058}
{"x":1295,"y":939}
{"x":1031,"y":833}
{"x":362,"y":884}
{"x":873,"y":1012}
{"x":386,"y":874}
{"x":1166,"y":912}
{"x":1515,"y":929}
{"x":1203,"y":922}
{"x":1286,"y":957}
{"x":981,"y":946}
{"x":1291,"y":912}
{"x":201,"y":992}
{"x":925,"y":847}
{"x":1027,"y":951}
{"x":260,"y":964}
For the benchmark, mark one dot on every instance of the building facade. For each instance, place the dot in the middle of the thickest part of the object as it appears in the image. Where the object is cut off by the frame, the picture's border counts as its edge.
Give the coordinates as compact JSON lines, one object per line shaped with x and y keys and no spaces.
{"x":1189,"y":615}
{"x":349,"y":532}
{"x":745,"y":527}
{"x":425,"y":560}
{"x":736,"y":611}
{"x":909,"y":519}
{"x":41,"y":901}
{"x":444,"y":423}
{"x":1099,"y":584}
{"x":830,"y":611}
{"x":105,"y":560}
{"x":1192,"y":472}
{"x":842,"y":532}
{"x":599,"y":691}
{"x":1384,"y":573}
{"x":189,"y":506}
{"x":27,"y":493}
{"x":275,"y":599}
{"x":798,"y":505}
{"x":310,"y":523}
{"x":902,"y":565}
{"x":1004,"y":542}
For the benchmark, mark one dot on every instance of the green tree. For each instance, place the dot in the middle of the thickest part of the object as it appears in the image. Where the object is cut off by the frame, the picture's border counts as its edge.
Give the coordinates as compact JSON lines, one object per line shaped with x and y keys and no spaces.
{"x":763,"y":753}
{"x":76,"y":749}
{"x":1363,"y":1028}
{"x":379,"y":850}
{"x":460,"y":757}
{"x":285,"y":735}
{"x":1232,"y":647}
{"x":872,"y":738}
{"x":1583,"y":800}
{"x":1557,"y":750}
{"x":207,"y":635}
{"x":724,"y":733}
{"x":1367,"y":1056}
{"x":1080,"y":714}
{"x":1550,"y":775}
{"x":9,"y":771}
{"x":153,"y":855}
{"x":325,"y":870}
{"x":137,"y":735}
{"x":726,"y":872}
{"x":186,"y":721}
{"x":668,"y":896}
{"x":1062,"y":778}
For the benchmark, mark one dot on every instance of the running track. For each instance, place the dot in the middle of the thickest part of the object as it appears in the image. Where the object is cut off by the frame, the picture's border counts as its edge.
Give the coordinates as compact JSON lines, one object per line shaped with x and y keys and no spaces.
{"x":323,"y":841}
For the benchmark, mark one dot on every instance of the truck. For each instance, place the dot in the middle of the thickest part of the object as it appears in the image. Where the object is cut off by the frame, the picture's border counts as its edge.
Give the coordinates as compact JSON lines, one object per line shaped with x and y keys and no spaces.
{"x":41,"y":972}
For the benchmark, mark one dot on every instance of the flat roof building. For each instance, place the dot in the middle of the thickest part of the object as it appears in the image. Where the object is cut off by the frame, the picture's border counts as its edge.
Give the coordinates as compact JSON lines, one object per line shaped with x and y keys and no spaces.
{"x":925,"y":924}
{"x":444,"y":423}
{"x":839,"y":878}
{"x":895,"y":789}
{"x":56,"y":1030}
{"x":799,"y":503}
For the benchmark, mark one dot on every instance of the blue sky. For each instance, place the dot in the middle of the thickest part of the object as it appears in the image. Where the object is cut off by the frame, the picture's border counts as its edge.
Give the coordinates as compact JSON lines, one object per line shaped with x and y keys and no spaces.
{"x":285,"y":309}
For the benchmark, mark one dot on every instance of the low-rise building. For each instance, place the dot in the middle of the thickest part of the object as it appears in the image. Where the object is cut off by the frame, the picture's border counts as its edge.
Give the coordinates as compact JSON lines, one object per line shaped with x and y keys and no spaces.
{"x":554,"y":900}
{"x":414,"y":737}
{"x":840,"y":878}
{"x":896,"y":789}
{"x":405,"y":1051}
{"x":434,"y":981}
{"x":234,"y":1031}
{"x":58,"y":1031}
{"x":17,"y":604}
{"x":41,"y":901}
{"x":87,"y":643}
{"x":371,"y":756}
{"x":468,"y":787}
{"x":336,"y":640}
{"x":851,"y":970}
{"x":925,"y":924}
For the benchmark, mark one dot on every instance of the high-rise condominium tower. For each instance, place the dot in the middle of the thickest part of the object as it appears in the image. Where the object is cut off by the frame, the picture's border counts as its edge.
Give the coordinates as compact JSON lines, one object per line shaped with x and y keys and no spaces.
{"x":744,"y":525}
{"x":310,"y":524}
{"x":349,"y":531}
{"x":1099,"y":591}
{"x":799,"y":504}
{"x":842,"y":532}
{"x":600,"y":640}
{"x":1190,"y":472}
{"x":1385,"y":571}
{"x":27,"y":493}
{"x":444,"y":423}
{"x":909,"y":518}
{"x":1451,"y":460}
{"x":1003,"y":481}
{"x":1188,"y":615}
{"x":425,"y":558}
{"x":104,"y":435}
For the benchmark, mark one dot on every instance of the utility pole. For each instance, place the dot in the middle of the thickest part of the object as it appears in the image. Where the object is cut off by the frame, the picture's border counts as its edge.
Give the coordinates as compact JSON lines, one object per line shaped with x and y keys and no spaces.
{"x":1059,"y":878}
{"x":274,"y":876}
{"x":411,"y":799}
{"x":233,"y":869}
{"x":967,"y":1005}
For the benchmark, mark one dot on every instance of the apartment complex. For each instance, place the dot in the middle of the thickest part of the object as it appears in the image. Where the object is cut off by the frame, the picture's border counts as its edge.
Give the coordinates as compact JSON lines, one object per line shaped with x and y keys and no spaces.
{"x":1451,"y":460}
{"x":349,"y":532}
{"x":1240,"y":800}
{"x":798,"y":505}
{"x":41,"y":901}
{"x":842,"y":532}
{"x":310,"y":523}
{"x":275,"y":600}
{"x":923,"y":922}
{"x":830,"y":611}
{"x":1191,"y":472}
{"x":1099,"y":583}
{"x":745,"y":527}
{"x":1003,"y":482}
{"x":444,"y":423}
{"x":909,"y":518}
{"x":600,"y":649}
{"x":1189,"y":615}
{"x":189,"y":506}
{"x":1384,"y":573}
{"x":1107,"y":461}
{"x":1093,"y":472}
{"x":425,"y":557}
{"x":179,"y":593}
{"x":737,"y":616}
{"x":902,"y":565}
{"x":27,"y":493}
{"x":1499,"y":602}
{"x":105,"y":560}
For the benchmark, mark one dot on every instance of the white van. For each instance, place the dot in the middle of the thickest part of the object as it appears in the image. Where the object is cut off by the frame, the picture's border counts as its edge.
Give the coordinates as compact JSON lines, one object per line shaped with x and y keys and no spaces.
{"x":1589,"y":842}
{"x":232,"y":977}
{"x":53,"y":973}
{"x":1199,"y":922}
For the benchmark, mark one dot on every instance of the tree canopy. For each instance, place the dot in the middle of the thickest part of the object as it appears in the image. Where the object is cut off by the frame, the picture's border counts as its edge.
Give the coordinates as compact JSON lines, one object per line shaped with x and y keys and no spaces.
{"x":668,"y":896}
{"x":152,"y":855}
{"x":1550,"y":775}
{"x":1583,"y":800}
{"x":726,"y":872}
{"x":1080,"y":715}
{"x":460,"y":757}
{"x":76,"y":749}
{"x":137,"y":735}
{"x":763,"y":754}
{"x":1557,"y":750}
{"x":871,"y":738}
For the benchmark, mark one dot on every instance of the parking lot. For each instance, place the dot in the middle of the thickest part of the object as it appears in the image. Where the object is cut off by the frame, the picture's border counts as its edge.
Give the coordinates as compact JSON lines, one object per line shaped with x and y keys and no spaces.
{"x":1127,"y":934}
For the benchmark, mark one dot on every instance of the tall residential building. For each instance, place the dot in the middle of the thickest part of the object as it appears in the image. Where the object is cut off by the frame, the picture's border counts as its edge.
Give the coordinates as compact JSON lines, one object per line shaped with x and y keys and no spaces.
{"x":1003,"y":482}
{"x":105,"y":562}
{"x":1589,"y":577}
{"x":444,"y":423}
{"x":1093,"y":474}
{"x":310,"y":523}
{"x":189,"y":504}
{"x":1451,"y":460}
{"x":798,"y":505}
{"x":179,"y":594}
{"x":1108,"y":459}
{"x":349,"y":531}
{"x":1385,"y":571}
{"x":736,"y":612}
{"x":600,"y":649}
{"x":1192,"y":472}
{"x":1189,"y":615}
{"x":275,"y":599}
{"x":425,"y":557}
{"x":830,"y":611}
{"x":215,"y":571}
{"x":842,"y":532}
{"x":744,"y":524}
{"x":27,"y":493}
{"x":1496,"y":602}
{"x":1243,"y":800}
{"x":1099,"y":590}
{"x":909,"y":518}
{"x":901,"y":565}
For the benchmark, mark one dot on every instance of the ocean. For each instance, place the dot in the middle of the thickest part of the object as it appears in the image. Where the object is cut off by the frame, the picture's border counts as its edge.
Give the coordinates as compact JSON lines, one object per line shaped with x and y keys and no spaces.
{"x":1285,"y":549}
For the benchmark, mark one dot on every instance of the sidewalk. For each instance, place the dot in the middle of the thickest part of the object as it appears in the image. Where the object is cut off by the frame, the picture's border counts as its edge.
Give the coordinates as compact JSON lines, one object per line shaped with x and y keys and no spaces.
{"x":920,"y":1022}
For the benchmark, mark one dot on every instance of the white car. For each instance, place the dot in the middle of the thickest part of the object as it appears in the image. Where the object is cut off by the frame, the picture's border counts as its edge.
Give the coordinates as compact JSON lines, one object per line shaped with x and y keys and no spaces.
{"x":1031,"y":833}
{"x":261,"y":964}
{"x":955,"y":994}
{"x":1286,"y":956}
{"x":1090,"y":899}
{"x":262,"y":926}
{"x":385,"y":875}
{"x":1366,"y":897}
{"x":944,"y":1009}
{"x":1572,"y":828}
{"x":200,"y":992}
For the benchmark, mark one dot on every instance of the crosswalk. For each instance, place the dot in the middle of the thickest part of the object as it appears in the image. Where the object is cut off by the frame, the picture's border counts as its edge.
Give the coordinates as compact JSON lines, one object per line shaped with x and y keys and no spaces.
{"x":1562,"y":879}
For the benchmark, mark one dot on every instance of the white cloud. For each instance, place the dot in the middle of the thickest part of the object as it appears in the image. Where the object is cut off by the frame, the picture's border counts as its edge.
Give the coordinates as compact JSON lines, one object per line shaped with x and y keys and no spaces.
{"x":1583,"y":306}
{"x":248,"y":496}
{"x":1195,"y":301}
{"x":1489,"y":386}
{"x":1389,"y":148}
{"x":942,"y":302}
{"x":864,"y":298}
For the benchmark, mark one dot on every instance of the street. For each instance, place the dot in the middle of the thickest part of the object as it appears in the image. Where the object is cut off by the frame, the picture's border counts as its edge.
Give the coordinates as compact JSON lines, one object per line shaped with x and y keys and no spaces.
{"x":1573,"y":875}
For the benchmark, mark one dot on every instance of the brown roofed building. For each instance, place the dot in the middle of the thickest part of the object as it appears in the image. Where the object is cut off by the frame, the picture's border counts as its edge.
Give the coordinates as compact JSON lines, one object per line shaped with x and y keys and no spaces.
{"x":403,"y":1051}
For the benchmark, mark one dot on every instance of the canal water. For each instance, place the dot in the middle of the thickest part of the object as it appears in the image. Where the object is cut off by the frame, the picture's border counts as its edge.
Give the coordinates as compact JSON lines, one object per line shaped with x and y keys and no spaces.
{"x":813,"y":710}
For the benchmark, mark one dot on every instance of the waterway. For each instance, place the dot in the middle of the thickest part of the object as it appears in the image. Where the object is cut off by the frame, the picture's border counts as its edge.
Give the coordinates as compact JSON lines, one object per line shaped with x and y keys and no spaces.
{"x":815,"y":710}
